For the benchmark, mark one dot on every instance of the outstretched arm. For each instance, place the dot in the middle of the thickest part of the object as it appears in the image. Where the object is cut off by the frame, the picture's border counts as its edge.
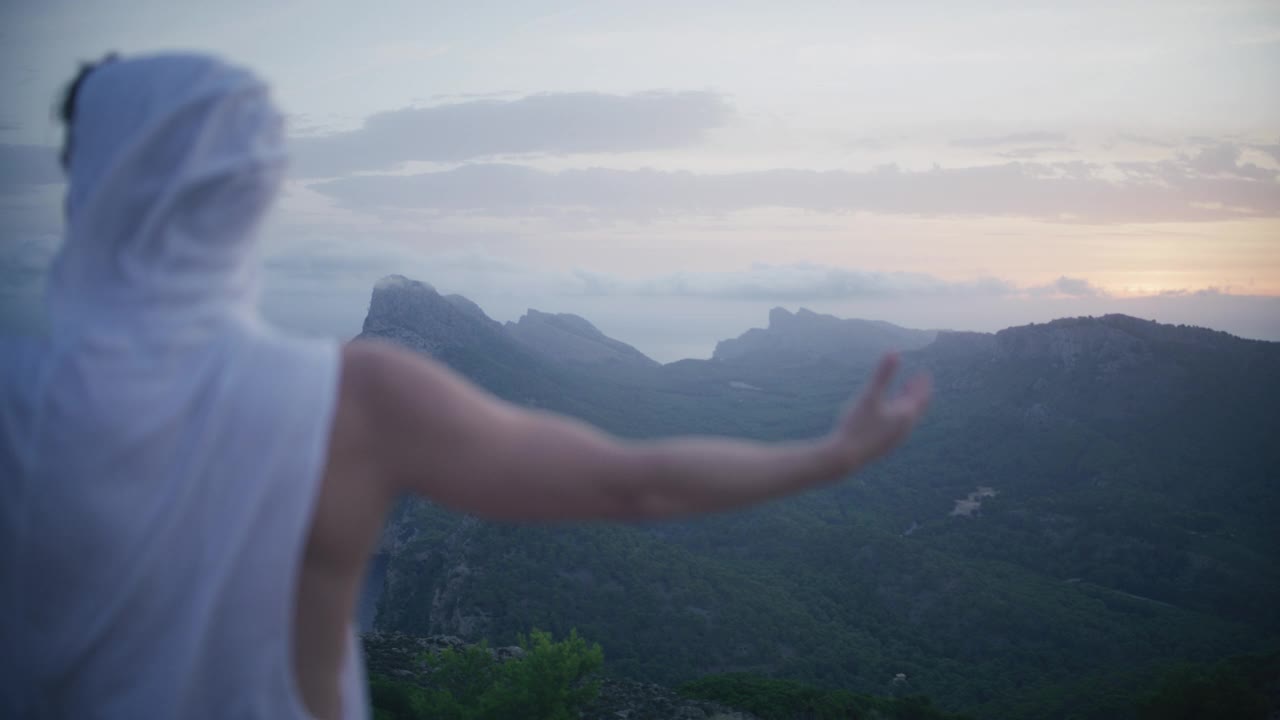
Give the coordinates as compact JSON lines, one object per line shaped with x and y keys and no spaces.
{"x":437,"y":435}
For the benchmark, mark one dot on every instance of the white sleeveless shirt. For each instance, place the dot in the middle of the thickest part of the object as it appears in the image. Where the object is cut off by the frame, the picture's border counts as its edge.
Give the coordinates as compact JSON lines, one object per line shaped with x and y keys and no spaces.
{"x":161,"y":449}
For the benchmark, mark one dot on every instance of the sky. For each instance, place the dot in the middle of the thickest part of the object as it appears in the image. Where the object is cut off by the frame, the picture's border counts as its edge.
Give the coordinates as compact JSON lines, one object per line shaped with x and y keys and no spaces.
{"x":672,"y":170}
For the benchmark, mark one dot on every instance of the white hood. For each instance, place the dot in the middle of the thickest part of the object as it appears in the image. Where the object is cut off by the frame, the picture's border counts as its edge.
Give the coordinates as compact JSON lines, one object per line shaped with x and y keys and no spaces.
{"x":175,"y":159}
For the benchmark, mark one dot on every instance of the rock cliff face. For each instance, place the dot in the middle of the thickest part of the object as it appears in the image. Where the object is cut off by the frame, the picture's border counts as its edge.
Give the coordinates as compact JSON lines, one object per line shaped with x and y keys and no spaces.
{"x":469,"y":308}
{"x":414,"y":314}
{"x":571,"y":339}
{"x":456,"y":331}
{"x":447,"y":606}
{"x":805,"y":336}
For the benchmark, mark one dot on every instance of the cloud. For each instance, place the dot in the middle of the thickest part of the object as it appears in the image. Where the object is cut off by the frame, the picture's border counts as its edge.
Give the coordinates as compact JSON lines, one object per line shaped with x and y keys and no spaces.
{"x":1133,"y":139}
{"x":867,"y":143}
{"x":1012,"y":139}
{"x":25,"y":166}
{"x":1027,"y":153}
{"x":344,"y":262}
{"x":553,"y":123}
{"x":1068,"y":287}
{"x":1224,"y":159}
{"x":1272,"y":150}
{"x":908,"y":299}
{"x":1178,"y":189}
{"x":787,"y":283}
{"x":1076,"y":287}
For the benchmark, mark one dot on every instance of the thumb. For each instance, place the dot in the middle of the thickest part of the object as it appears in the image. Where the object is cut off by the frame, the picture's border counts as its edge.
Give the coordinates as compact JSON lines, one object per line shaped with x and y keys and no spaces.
{"x":882,"y":376}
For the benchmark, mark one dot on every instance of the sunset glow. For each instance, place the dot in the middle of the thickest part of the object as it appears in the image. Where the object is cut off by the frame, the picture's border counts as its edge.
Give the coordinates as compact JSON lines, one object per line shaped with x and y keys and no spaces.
{"x":996,"y":165}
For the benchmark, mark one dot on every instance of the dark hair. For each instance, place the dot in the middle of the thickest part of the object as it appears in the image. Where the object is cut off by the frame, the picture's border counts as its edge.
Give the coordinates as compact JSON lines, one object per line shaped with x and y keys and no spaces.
{"x":67,"y":107}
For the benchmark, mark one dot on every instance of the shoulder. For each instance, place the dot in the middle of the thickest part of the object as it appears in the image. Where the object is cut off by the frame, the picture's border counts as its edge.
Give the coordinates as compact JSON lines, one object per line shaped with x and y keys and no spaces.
{"x":376,"y":382}
{"x":411,"y":415}
{"x":363,"y":381}
{"x":371,"y":370}
{"x":403,"y":388}
{"x":364,"y":362}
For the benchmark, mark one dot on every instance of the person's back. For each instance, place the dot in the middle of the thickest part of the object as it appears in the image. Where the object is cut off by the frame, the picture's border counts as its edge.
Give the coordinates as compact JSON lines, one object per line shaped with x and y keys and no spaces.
{"x":188,"y":498}
{"x":161,"y":449}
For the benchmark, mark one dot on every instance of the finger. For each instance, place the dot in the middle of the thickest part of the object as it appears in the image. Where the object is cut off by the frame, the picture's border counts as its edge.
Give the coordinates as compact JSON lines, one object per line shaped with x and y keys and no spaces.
{"x":915,"y":395}
{"x":883,"y":375}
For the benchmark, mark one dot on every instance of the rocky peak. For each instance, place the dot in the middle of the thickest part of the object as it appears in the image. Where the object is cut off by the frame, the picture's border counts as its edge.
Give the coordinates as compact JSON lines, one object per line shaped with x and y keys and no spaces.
{"x":470,"y":308}
{"x":570,"y":338}
{"x":1064,"y":343}
{"x":414,"y":314}
{"x":781,"y":319}
{"x":567,"y":322}
{"x":806,"y":336}
{"x":1094,"y":332}
{"x":1112,"y":340}
{"x":398,"y":299}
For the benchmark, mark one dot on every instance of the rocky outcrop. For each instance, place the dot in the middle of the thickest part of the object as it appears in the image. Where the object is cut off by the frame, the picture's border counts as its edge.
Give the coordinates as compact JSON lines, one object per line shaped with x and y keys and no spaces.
{"x":1064,"y":343}
{"x":470,"y":308}
{"x":1114,"y":341}
{"x":805,"y":336}
{"x":571,"y":339}
{"x":1097,"y":370}
{"x":415,"y":315}
{"x":444,"y":557}
{"x":456,"y":332}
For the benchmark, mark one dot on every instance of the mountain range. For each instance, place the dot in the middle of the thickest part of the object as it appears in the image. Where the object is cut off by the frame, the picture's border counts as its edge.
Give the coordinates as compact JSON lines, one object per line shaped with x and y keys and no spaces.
{"x":1088,"y":500}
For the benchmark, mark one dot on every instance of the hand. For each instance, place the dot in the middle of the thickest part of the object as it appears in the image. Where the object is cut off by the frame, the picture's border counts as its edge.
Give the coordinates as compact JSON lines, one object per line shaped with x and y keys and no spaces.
{"x":874,"y":424}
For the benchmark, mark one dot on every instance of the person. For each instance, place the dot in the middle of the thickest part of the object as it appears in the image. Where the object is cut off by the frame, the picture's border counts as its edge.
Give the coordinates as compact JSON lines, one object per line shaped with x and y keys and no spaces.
{"x":190,"y":495}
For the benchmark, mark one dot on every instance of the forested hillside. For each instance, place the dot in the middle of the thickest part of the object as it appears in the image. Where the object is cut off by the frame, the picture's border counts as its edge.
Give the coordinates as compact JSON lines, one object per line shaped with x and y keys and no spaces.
{"x":1088,"y":501}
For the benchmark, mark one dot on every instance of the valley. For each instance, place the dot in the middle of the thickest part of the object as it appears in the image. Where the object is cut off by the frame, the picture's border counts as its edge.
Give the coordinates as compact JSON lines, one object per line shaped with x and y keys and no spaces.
{"x":1089,"y":501}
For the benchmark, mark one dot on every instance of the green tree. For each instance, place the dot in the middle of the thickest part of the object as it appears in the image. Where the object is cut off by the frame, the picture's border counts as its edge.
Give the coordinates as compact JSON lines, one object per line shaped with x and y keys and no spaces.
{"x":549,"y":682}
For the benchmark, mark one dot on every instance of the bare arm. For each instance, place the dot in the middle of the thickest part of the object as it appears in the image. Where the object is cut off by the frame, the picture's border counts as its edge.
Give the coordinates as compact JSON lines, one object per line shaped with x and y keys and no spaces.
{"x":440,"y":436}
